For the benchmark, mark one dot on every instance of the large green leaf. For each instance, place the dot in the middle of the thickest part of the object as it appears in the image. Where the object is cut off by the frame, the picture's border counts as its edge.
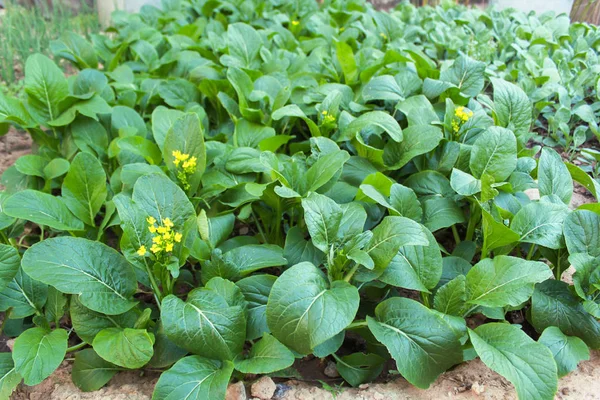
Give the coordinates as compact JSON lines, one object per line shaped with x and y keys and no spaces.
{"x":553,"y":304}
{"x":194,"y":378}
{"x":244,"y":43}
{"x":358,"y":368}
{"x":421,"y":342}
{"x":417,"y":140}
{"x":451,"y":298}
{"x":104,"y":280}
{"x":528,"y":365}
{"x":266,"y":356}
{"x":415,"y":267}
{"x":38,"y":352}
{"x":553,"y":176}
{"x":568,"y":351}
{"x":186,"y":135}
{"x":88,"y":323}
{"x":23,"y":296}
{"x":84,"y":188}
{"x":45,"y":85}
{"x":90,"y":371}
{"x":256,"y":290}
{"x":322,"y":216}
{"x":9,"y":378}
{"x":128,"y":348}
{"x":9,"y":264}
{"x":541,"y":223}
{"x":582,"y":234}
{"x":495,"y":234}
{"x":504,"y":281}
{"x":304,"y":311}
{"x":42,"y":209}
{"x":512,"y":108}
{"x":207,"y":323}
{"x":494,"y":153}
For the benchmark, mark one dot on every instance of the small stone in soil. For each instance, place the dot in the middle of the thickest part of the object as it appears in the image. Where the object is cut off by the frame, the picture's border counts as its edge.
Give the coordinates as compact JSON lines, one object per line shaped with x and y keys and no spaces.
{"x":281,"y":390}
{"x":264,"y":388}
{"x":477,"y":388}
{"x":331,"y":370}
{"x":363,"y":386}
{"x":236,"y":391}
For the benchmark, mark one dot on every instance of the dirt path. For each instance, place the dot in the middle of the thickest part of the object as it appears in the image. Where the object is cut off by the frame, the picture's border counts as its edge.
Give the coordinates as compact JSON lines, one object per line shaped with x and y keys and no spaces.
{"x":12,"y":146}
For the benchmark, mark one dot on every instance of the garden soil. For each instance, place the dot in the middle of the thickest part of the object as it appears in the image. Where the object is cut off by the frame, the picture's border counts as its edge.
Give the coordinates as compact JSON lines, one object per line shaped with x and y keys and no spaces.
{"x":468,"y":381}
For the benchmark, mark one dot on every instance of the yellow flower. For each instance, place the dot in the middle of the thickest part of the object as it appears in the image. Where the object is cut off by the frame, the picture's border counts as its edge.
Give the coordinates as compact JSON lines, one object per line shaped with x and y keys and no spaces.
{"x":150,"y":220}
{"x":164,"y":238}
{"x":142,"y":251}
{"x":167,"y":222}
{"x":152,"y":229}
{"x":163,"y":229}
{"x":462,"y":115}
{"x":155,"y":248}
{"x":342,"y":29}
{"x":324,"y":112}
{"x":190,"y":166}
{"x":169,"y":247}
{"x":383,"y":35}
{"x":178,"y":237}
{"x":157,"y":239}
{"x":295,"y":23}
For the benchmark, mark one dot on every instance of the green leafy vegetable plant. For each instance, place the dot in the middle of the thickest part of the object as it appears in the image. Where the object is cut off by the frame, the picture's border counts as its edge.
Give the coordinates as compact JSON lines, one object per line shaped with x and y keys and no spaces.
{"x":225,"y":188}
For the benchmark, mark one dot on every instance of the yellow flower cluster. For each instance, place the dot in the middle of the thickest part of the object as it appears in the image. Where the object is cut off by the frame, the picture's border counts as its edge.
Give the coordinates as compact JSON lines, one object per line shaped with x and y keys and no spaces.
{"x":383,"y":36}
{"x":295,"y":23}
{"x":327,"y":118}
{"x":461,"y":115}
{"x":185,"y":165}
{"x":164,"y":237}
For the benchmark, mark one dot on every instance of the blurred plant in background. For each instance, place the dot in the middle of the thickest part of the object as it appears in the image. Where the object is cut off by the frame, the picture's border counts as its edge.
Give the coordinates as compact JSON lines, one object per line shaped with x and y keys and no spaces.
{"x":28,"y":27}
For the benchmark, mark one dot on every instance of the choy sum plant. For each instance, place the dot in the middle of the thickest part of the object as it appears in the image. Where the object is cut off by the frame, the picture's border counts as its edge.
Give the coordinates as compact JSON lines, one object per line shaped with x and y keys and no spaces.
{"x":227,"y":187}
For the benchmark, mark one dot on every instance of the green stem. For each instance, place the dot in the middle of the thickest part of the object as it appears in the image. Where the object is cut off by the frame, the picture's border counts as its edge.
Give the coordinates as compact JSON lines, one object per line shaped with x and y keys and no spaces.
{"x":4,"y":237}
{"x":259,"y":227}
{"x":357,"y":324}
{"x":455,"y":234}
{"x":425,"y":299}
{"x":351,"y":273}
{"x":41,"y":233}
{"x":471,"y":226}
{"x":531,"y":251}
{"x":155,"y":288}
{"x":76,"y":347}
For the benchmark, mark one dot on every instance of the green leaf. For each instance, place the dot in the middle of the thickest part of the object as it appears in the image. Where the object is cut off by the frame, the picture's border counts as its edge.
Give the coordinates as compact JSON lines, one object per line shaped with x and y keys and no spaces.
{"x":266,"y":356}
{"x":90,"y":372}
{"x":422,"y":343}
{"x":417,"y":140}
{"x":253,"y":257}
{"x":45,"y":85}
{"x":528,"y":365}
{"x":541,"y":223}
{"x":88,"y":323}
{"x":391,"y":234}
{"x":358,"y":368}
{"x":451,"y":298}
{"x":161,"y":198}
{"x":256,"y":290}
{"x":55,"y":305}
{"x":75,"y":48}
{"x":163,"y":120}
{"x":292,"y":110}
{"x":322,"y":216}
{"x":404,"y":200}
{"x":581,"y":232}
{"x":42,"y":209}
{"x":205,"y":324}
{"x":467,"y":74}
{"x":553,"y":304}
{"x":187,"y":136}
{"x":244,"y":43}
{"x":194,"y":378}
{"x":84,"y":188}
{"x":323,"y":170}
{"x":249,"y":134}
{"x":568,"y":351}
{"x":379,"y":119}
{"x":31,"y":164}
{"x":584,"y":179}
{"x":494,"y":153}
{"x":56,"y":168}
{"x":496,"y":234}
{"x":345,"y":57}
{"x":463,"y":183}
{"x":9,"y":378}
{"x":303,"y":311}
{"x":504,"y":281}
{"x":128,"y":348}
{"x":101,"y":276}
{"x":415,"y":267}
{"x":9,"y":265}
{"x":38,"y":352}
{"x":512,"y":107}
{"x":382,"y":87}
{"x":441,"y":212}
{"x":23,"y":295}
{"x":553,"y":176}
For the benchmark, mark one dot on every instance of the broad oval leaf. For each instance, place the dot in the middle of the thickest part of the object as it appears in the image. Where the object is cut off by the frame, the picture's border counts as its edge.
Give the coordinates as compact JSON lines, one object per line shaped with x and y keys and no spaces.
{"x":541,"y":223}
{"x":38,"y":352}
{"x":553,"y":176}
{"x":422,"y":343}
{"x":494,"y":153}
{"x":303,"y":311}
{"x":568,"y":351}
{"x":508,"y":350}
{"x":90,"y":371}
{"x":104,"y":280}
{"x":42,"y":209}
{"x":9,"y":264}
{"x":194,"y":378}
{"x":128,"y":348}
{"x":266,"y":356}
{"x":9,"y":377}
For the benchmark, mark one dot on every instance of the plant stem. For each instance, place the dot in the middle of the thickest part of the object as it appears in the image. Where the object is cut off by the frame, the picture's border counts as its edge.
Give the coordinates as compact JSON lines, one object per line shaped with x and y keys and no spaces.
{"x":455,"y":233}
{"x":425,"y":299}
{"x":76,"y":347}
{"x":351,"y":273}
{"x":471,"y":226}
{"x":531,"y":251}
{"x":258,"y":225}
{"x":357,"y":324}
{"x":155,"y":288}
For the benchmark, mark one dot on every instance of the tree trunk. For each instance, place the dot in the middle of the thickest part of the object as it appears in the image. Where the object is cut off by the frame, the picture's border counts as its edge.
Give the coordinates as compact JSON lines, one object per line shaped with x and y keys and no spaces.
{"x":586,"y":11}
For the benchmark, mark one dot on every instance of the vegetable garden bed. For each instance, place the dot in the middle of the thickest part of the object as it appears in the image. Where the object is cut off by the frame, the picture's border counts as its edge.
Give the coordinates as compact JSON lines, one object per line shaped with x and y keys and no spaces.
{"x":224,"y":190}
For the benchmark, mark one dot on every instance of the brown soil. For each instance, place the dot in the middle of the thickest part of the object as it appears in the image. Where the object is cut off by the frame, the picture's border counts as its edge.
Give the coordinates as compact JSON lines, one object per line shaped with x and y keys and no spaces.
{"x":12,"y":146}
